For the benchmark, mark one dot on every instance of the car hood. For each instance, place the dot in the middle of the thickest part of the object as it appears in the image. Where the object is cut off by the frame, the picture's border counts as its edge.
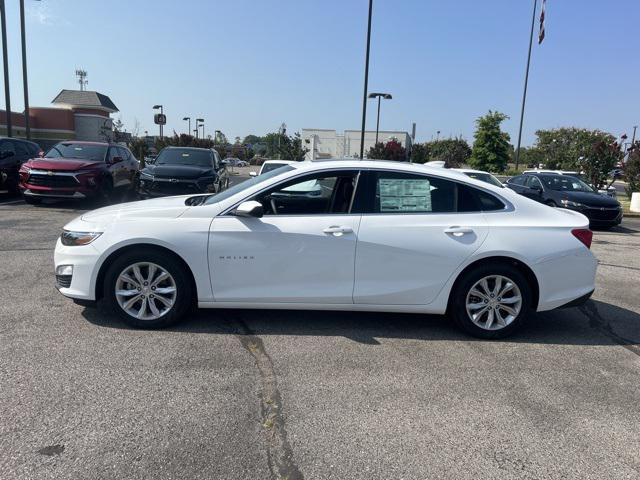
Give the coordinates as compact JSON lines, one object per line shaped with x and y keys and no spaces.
{"x":166,"y":207}
{"x":590,"y":199}
{"x":63,"y":164}
{"x":178,"y":171}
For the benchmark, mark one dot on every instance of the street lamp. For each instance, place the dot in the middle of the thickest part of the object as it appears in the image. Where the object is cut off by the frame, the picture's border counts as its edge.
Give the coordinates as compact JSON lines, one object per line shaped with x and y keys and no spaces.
{"x":156,"y":107}
{"x":198,"y":120}
{"x":189,"y":129}
{"x":386,"y":96}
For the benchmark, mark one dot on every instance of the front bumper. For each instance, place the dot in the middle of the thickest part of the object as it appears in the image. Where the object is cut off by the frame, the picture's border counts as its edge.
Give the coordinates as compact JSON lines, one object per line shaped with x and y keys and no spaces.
{"x":84,"y":260}
{"x":168,"y":187}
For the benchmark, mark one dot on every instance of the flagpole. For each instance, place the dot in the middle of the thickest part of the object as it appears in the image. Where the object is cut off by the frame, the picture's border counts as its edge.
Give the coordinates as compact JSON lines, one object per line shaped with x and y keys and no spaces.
{"x":526,"y":82}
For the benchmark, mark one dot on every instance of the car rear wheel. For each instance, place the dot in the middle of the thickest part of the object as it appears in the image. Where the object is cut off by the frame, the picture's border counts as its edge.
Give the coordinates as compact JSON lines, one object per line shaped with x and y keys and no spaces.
{"x":148,"y":290}
{"x":491,"y":301}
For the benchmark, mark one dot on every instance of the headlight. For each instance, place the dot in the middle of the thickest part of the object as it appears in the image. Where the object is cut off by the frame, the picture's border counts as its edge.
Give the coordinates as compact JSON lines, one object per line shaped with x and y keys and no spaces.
{"x":569,"y":203}
{"x":78,"y":238}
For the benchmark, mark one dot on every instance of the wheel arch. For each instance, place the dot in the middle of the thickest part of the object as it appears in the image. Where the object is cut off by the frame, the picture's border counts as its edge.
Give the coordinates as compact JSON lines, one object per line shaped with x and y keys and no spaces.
{"x":146,"y":247}
{"x":522,"y":267}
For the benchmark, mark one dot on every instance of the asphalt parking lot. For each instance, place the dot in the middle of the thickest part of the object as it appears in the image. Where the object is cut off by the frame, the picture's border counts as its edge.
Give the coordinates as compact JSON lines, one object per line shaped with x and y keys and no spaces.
{"x":272,"y":394}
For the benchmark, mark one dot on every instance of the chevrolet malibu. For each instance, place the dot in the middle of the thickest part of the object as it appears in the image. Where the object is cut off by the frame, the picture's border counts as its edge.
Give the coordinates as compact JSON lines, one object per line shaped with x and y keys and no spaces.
{"x":374,"y":236}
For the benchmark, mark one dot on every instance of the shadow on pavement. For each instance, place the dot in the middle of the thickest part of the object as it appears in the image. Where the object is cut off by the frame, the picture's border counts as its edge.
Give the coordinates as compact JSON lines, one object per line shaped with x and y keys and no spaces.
{"x":595,"y":323}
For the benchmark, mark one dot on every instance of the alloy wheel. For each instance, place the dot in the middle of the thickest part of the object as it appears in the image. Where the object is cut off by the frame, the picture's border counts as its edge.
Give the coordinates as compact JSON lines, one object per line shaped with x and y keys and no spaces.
{"x":493,"y":302}
{"x":145,"y":291}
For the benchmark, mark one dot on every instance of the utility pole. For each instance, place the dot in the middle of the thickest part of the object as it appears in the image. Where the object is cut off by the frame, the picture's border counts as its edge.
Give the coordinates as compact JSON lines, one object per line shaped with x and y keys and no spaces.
{"x":25,"y":83}
{"x":7,"y":95}
{"x":526,"y":82}
{"x":366,"y":82}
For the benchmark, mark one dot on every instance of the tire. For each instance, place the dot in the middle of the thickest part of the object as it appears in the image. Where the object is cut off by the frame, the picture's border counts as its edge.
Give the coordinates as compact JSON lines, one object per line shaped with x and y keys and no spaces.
{"x":462,"y":297}
{"x":32,"y":200}
{"x":178,"y":279}
{"x":105,"y":193}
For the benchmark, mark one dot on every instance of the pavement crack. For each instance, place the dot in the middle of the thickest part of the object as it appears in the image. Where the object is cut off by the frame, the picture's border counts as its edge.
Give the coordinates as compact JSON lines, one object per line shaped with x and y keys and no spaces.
{"x":619,"y":266}
{"x":590,"y":310}
{"x":279,"y":451}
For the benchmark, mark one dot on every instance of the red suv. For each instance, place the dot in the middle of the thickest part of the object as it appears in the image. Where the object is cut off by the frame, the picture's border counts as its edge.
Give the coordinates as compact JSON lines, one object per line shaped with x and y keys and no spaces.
{"x":78,"y":170}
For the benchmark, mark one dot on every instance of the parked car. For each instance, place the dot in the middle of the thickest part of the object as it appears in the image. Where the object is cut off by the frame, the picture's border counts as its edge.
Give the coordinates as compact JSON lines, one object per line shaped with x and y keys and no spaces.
{"x":78,"y":170}
{"x":381,"y":236}
{"x":13,"y":153}
{"x":235,"y":162}
{"x":480,"y":175}
{"x":566,"y":191}
{"x":270,"y":165}
{"x":610,"y":191}
{"x":183,"y":170}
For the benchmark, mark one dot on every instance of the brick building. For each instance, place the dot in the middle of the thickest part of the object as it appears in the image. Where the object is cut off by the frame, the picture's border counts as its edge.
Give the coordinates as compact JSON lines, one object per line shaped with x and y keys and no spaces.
{"x":75,"y":115}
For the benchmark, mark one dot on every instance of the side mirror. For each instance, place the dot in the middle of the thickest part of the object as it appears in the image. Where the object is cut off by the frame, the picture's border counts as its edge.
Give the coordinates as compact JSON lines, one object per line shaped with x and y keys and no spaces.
{"x":253,"y":174}
{"x":115,"y":160}
{"x":249,"y":209}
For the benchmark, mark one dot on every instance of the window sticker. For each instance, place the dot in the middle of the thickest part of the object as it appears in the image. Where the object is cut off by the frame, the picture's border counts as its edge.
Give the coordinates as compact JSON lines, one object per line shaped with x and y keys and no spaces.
{"x":404,"y":195}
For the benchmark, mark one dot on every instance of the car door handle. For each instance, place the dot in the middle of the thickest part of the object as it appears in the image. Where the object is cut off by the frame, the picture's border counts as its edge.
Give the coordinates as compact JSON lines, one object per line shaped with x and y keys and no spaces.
{"x":336,"y":230}
{"x":458,"y":231}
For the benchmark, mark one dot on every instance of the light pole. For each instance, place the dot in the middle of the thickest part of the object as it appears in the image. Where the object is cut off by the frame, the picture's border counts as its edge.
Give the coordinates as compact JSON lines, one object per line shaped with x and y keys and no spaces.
{"x":198,"y":120}
{"x":189,"y":129}
{"x":379,"y":96}
{"x":24,"y":73}
{"x":438,"y":136}
{"x":156,"y":107}
{"x":7,"y":95}
{"x":366,"y":81}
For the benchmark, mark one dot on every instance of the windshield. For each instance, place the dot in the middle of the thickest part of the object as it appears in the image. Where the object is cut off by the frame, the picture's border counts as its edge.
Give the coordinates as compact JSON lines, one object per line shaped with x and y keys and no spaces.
{"x":484,"y":177}
{"x":565,"y":183}
{"x":186,"y":156}
{"x":78,"y":150}
{"x":269,"y":167}
{"x":229,"y":192}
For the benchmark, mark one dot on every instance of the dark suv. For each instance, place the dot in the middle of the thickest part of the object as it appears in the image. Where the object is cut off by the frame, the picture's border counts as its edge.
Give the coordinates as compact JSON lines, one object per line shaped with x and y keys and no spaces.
{"x":78,"y":170}
{"x":13,"y":153}
{"x":183,"y":171}
{"x":566,"y":191}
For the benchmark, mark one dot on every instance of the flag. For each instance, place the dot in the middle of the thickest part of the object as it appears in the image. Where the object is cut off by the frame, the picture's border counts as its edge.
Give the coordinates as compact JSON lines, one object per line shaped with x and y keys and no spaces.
{"x":541,"y":34}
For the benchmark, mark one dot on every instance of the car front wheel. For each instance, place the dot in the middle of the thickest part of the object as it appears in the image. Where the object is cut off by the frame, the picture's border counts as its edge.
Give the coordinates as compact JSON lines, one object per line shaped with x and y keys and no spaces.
{"x":148,"y":290}
{"x":491,"y":301}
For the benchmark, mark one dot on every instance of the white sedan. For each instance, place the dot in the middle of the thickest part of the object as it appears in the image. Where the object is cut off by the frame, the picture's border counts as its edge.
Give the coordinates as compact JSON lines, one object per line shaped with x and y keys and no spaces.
{"x":376,"y":236}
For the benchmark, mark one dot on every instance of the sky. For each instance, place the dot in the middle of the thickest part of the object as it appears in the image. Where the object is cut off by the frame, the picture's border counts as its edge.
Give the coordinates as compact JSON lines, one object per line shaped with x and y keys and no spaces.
{"x":246,"y":66}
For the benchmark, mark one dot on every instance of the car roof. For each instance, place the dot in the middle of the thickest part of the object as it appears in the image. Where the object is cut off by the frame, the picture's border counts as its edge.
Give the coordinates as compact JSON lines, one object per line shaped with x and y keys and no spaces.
{"x":177,"y":147}
{"x":471,"y":170}
{"x":89,"y":143}
{"x":283,"y":162}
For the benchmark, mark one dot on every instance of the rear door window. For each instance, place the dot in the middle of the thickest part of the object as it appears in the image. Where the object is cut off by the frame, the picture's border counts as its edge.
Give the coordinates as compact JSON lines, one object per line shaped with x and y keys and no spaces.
{"x":399,"y":192}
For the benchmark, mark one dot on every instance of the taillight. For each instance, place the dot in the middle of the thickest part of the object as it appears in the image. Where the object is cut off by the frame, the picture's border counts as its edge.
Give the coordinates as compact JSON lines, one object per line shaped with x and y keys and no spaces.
{"x":584,"y":235}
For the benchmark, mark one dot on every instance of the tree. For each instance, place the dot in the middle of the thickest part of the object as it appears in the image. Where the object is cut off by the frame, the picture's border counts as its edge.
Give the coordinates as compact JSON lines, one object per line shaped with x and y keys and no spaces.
{"x":531,"y":157}
{"x":252,"y":140}
{"x":491,"y":146}
{"x":632,"y":169}
{"x":284,"y":147}
{"x":420,"y":153}
{"x":220,"y":138}
{"x":453,"y":151}
{"x":392,"y":150}
{"x":562,"y":147}
{"x":601,"y":158}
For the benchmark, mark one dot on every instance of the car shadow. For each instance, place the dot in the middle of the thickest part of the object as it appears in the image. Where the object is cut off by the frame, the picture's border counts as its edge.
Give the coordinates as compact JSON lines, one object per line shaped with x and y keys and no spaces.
{"x":595,"y":323}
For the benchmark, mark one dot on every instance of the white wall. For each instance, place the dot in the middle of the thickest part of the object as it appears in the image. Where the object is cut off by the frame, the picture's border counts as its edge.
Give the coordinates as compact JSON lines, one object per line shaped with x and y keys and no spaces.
{"x":89,"y":127}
